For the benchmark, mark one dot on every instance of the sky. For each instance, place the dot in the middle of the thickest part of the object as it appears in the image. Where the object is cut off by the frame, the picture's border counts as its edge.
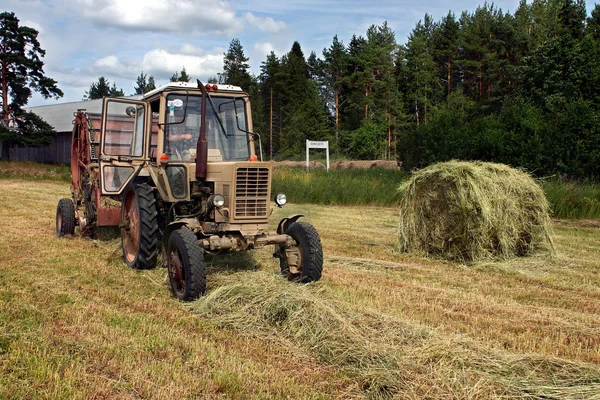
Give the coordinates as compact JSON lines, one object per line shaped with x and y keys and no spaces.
{"x":118,"y":39}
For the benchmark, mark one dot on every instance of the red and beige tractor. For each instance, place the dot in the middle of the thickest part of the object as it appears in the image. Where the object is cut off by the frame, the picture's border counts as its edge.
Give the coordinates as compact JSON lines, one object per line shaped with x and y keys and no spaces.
{"x":178,"y":171}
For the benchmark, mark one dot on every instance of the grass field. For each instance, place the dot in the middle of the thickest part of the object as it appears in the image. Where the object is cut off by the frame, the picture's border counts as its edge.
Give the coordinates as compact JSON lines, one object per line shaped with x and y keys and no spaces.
{"x":75,"y":322}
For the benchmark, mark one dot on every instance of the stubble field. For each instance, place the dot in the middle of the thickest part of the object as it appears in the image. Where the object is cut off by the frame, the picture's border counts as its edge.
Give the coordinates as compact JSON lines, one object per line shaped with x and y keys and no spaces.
{"x":75,"y":322}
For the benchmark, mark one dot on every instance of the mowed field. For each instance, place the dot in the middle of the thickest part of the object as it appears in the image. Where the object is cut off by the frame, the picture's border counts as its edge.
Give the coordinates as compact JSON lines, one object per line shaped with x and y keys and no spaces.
{"x":75,"y":322}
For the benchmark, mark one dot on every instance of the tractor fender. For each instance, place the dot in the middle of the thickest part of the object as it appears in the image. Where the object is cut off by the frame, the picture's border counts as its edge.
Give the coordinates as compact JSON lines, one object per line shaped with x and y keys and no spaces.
{"x":169,"y":229}
{"x":284,"y":223}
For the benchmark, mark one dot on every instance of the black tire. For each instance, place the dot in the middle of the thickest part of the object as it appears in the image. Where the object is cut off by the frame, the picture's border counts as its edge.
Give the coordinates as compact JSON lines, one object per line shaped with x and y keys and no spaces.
{"x":140,"y":234}
{"x":65,"y":218}
{"x":311,"y":253}
{"x":185,"y":263}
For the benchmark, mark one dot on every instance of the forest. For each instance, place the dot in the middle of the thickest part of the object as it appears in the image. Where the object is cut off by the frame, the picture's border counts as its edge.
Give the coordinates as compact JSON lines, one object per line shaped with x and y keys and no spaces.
{"x":521,"y":89}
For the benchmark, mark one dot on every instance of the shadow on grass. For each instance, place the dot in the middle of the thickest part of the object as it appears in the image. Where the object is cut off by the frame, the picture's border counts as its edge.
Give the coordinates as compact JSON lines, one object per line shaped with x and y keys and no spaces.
{"x":107,"y":233}
{"x":226,"y":263}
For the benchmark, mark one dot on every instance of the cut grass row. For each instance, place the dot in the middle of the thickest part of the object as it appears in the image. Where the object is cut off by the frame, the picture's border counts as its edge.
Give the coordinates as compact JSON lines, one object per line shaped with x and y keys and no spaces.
{"x":373,"y":187}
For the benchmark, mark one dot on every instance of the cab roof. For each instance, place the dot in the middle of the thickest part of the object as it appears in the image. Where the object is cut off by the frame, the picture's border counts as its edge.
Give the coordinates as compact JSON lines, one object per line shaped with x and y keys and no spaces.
{"x":189,"y":85}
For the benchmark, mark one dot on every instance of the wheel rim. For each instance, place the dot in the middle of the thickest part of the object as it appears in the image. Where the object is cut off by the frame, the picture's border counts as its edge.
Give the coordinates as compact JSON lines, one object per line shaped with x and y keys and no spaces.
{"x":58,"y":221}
{"x":130,"y":233}
{"x":176,"y":272}
{"x":295,"y":273}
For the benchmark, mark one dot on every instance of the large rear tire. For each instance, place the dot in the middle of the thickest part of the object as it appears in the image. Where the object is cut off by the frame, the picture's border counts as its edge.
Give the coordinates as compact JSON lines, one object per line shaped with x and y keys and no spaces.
{"x":309,"y":246}
{"x":185,"y":261}
{"x":139,"y":227}
{"x":65,"y":218}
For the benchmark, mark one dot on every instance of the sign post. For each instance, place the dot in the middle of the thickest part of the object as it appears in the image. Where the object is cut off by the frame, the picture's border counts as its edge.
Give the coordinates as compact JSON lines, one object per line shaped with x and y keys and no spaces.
{"x":312,"y":144}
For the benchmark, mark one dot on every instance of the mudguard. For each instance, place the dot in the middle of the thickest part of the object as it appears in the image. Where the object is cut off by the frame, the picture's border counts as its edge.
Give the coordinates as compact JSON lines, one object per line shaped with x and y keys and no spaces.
{"x":284,"y":223}
{"x":169,"y":229}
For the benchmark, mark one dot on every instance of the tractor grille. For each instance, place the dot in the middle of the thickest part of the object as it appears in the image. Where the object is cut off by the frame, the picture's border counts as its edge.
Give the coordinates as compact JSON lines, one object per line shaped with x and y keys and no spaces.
{"x":251,"y":192}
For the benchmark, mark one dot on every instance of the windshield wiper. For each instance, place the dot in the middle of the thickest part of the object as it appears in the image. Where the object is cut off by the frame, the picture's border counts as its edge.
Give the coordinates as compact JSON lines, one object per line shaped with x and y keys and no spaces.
{"x":212,"y":105}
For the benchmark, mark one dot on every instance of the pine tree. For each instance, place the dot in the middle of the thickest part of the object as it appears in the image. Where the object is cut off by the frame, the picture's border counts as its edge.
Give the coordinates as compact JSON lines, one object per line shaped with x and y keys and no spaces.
{"x":21,"y":72}
{"x":180,"y":76}
{"x":335,"y":65}
{"x":302,"y":112}
{"x":114,"y":92}
{"x":445,"y":44}
{"x":572,"y":18}
{"x":422,"y":73}
{"x":144,"y":84}
{"x":151,"y":85}
{"x":235,"y":66}
{"x":270,"y":73}
{"x":593,"y":23}
{"x":101,"y":89}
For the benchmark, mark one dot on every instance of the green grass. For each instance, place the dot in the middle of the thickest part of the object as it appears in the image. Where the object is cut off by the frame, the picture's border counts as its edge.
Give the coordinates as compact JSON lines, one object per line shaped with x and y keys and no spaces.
{"x":574,"y":200}
{"x":374,"y":186}
{"x":34,"y":171}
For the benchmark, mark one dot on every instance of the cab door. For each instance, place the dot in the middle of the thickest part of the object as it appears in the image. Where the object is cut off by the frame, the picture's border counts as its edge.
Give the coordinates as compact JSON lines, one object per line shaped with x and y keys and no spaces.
{"x":123,"y":143}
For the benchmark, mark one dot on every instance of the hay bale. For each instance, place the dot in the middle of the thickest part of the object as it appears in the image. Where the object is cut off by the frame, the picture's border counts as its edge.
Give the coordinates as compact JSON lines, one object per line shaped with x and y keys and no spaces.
{"x":473,"y":210}
{"x":365,"y":164}
{"x":297,"y":164}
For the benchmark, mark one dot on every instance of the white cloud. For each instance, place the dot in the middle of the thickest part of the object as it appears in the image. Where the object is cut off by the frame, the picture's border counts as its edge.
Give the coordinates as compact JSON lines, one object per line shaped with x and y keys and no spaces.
{"x":191,"y":50}
{"x":162,"y":63}
{"x":207,"y":16}
{"x":114,"y":66}
{"x":266,"y":24}
{"x":32,"y":24}
{"x":262,"y":49}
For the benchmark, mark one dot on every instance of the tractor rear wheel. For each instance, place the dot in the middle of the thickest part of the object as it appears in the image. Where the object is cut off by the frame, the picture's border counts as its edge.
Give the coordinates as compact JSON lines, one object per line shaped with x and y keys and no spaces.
{"x":65,"y":218}
{"x":139,"y":227}
{"x":310,"y":254}
{"x":185,"y":261}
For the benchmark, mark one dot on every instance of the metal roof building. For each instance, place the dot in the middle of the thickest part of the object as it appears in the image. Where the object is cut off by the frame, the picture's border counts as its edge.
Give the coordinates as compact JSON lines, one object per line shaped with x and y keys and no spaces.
{"x":60,"y":116}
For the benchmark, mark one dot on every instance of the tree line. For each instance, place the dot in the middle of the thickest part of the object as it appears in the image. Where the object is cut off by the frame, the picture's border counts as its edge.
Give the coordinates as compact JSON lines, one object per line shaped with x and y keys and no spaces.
{"x":521,"y":89}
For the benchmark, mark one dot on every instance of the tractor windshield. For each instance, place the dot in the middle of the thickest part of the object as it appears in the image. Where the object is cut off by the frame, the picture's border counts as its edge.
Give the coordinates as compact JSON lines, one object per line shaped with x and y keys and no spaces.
{"x":226,"y":143}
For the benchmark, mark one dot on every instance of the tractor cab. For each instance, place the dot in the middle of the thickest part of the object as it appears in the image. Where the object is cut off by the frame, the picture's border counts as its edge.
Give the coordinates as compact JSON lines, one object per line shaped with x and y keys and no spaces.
{"x":180,"y":128}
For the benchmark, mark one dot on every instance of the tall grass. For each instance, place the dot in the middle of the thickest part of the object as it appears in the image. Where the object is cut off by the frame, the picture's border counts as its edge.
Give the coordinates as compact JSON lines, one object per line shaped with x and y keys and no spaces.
{"x":578,"y":200}
{"x":34,"y":171}
{"x":375,"y":186}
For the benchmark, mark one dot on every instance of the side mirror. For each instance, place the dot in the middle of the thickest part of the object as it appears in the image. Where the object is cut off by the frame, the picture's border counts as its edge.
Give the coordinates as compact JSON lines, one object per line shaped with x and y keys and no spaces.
{"x":130,"y":111}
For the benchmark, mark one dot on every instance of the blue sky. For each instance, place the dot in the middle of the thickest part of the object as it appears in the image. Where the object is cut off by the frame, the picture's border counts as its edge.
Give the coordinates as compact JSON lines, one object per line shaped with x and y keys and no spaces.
{"x":86,"y":39}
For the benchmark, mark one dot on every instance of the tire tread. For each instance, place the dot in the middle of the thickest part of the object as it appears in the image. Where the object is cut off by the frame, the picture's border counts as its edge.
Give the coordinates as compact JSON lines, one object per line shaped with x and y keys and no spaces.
{"x":67,"y":210}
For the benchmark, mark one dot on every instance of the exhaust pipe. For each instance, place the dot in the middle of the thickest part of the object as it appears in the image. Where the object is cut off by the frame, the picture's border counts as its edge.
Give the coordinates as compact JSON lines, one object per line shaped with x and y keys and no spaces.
{"x":202,"y":145}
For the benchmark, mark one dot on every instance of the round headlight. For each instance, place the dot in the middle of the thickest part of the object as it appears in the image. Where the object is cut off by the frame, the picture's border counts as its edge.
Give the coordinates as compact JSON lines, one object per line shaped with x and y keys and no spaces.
{"x":218,"y":201}
{"x":280,"y":199}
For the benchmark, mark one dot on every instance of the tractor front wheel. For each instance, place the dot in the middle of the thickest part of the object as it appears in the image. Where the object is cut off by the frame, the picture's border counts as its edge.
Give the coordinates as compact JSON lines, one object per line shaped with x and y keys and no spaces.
{"x":308,"y":254}
{"x":139,"y":227}
{"x":185,"y":261}
{"x":65,"y":218}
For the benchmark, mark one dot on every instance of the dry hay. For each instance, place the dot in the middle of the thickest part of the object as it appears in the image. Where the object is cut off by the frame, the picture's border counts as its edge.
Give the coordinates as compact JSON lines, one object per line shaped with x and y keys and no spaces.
{"x":108,"y":202}
{"x":473,"y":210}
{"x":297,"y":164}
{"x":365,"y":164}
{"x":384,"y":356}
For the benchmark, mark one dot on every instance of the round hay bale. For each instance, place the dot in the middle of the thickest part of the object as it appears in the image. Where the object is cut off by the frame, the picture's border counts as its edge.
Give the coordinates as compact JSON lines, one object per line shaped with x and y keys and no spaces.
{"x":470,"y":211}
{"x":385,"y":164}
{"x":297,"y":164}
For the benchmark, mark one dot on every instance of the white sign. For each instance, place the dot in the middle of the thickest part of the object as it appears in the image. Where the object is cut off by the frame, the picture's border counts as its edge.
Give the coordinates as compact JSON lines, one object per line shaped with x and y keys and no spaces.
{"x":311,"y":144}
{"x":317,"y":145}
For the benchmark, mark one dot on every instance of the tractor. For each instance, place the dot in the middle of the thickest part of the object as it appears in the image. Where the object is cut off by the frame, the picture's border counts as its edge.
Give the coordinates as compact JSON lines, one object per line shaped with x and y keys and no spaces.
{"x":177,"y":171}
